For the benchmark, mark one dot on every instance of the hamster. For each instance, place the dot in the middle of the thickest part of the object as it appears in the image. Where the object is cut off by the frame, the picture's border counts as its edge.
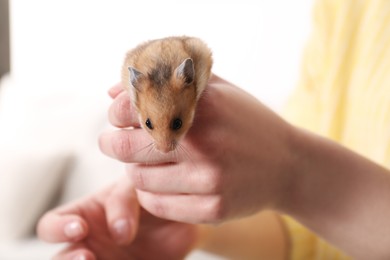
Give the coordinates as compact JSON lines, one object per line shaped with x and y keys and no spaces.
{"x":165,"y":79}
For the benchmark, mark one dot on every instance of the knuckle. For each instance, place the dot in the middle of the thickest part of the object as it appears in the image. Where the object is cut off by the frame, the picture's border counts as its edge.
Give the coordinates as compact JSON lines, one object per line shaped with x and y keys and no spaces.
{"x":122,"y":109}
{"x":119,"y":113}
{"x":121,"y":146}
{"x":138,"y":180}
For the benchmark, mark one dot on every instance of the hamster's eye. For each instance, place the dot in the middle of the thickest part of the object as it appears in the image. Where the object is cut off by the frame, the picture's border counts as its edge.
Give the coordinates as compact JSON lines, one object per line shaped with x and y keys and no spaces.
{"x":149,"y":124}
{"x":176,"y":124}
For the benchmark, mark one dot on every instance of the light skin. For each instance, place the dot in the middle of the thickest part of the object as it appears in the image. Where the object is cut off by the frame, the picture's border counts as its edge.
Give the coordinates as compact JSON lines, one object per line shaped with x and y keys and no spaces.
{"x":242,"y":158}
{"x":110,"y":225}
{"x":90,"y":227}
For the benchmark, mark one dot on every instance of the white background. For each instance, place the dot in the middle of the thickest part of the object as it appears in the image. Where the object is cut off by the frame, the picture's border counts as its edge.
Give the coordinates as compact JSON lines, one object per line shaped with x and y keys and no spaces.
{"x":78,"y":46}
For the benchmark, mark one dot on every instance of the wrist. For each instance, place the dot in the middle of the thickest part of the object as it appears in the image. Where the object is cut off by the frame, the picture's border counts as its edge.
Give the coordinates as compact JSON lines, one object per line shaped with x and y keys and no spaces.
{"x":311,"y":169}
{"x":293,"y":164}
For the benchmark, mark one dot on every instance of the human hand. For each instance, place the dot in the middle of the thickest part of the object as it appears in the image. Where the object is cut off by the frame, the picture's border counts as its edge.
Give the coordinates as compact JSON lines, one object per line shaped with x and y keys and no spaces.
{"x":233,"y":161}
{"x":109,"y":225}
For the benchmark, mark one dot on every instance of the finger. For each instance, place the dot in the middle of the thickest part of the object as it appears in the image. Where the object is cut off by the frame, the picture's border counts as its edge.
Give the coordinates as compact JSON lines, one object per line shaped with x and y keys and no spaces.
{"x":122,"y":211}
{"x":132,"y":146}
{"x":121,"y":113}
{"x":184,"y":208}
{"x":75,"y":252}
{"x":173,"y":178}
{"x":54,"y":227}
{"x":115,"y":90}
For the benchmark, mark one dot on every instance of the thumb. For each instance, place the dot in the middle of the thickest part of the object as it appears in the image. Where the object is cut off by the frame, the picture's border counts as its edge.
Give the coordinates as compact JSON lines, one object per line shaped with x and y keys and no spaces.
{"x":54,"y":227}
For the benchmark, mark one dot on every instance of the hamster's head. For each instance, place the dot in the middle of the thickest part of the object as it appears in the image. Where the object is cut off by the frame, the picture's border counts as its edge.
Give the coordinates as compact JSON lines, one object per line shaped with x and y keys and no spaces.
{"x":166,"y":99}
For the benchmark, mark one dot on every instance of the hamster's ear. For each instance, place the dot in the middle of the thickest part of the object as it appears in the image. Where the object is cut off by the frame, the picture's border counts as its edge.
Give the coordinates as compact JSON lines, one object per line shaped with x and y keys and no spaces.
{"x":135,"y":77}
{"x":186,"y":71}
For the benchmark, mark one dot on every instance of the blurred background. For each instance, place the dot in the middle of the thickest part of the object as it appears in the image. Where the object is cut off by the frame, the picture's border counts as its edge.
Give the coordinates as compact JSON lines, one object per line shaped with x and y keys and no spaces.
{"x":59,"y":58}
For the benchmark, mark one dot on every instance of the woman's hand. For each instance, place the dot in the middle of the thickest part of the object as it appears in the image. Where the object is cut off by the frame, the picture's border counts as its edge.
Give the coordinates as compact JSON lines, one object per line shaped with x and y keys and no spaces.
{"x":109,"y":225}
{"x":232,"y":162}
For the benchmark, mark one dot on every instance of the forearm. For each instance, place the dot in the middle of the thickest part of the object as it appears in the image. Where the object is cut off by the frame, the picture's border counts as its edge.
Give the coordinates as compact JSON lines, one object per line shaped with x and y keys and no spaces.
{"x":341,"y":196}
{"x":257,"y":237}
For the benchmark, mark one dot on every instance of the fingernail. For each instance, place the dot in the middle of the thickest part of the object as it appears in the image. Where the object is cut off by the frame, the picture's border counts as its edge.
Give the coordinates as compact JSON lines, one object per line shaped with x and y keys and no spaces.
{"x":79,"y":257}
{"x":122,"y":230}
{"x":74,"y":229}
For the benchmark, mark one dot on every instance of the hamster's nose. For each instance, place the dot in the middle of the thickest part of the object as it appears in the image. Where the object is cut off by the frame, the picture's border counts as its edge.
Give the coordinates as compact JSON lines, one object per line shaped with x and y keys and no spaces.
{"x":166,"y":147}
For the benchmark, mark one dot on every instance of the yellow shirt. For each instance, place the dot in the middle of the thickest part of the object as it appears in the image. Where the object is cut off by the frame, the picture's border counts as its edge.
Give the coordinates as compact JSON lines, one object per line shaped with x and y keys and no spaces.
{"x":344,"y":92}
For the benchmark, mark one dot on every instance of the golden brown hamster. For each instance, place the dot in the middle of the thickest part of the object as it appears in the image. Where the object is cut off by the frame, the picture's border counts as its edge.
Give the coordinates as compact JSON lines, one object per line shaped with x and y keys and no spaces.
{"x":165,"y":78}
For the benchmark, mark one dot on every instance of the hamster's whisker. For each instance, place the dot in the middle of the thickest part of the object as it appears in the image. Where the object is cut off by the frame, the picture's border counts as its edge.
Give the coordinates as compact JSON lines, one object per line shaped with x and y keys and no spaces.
{"x":143,"y":148}
{"x":176,"y":155}
{"x":186,"y":154}
{"x":149,"y":154}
